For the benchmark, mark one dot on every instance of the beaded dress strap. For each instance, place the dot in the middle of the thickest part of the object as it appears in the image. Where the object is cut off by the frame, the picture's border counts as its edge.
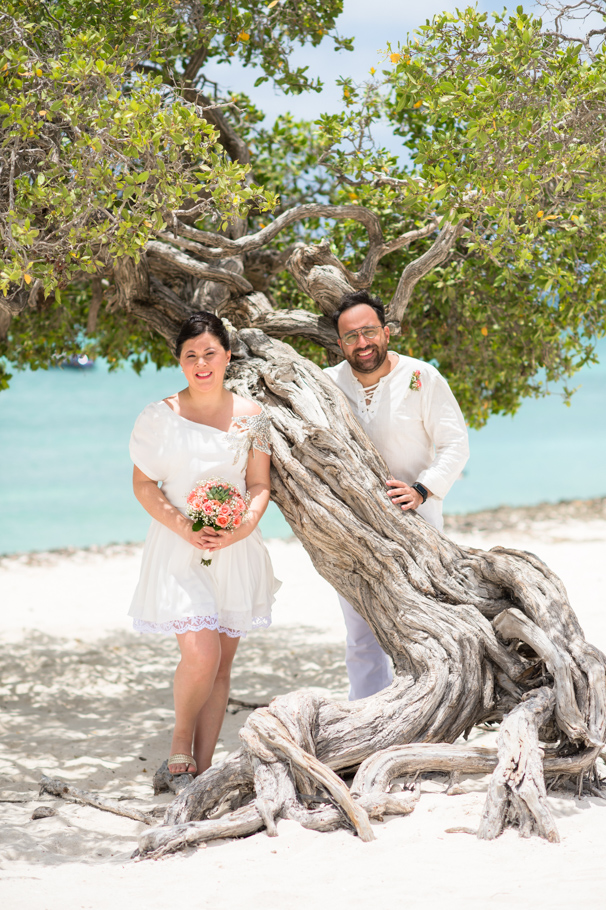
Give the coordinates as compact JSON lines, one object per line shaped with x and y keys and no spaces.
{"x":250,"y":431}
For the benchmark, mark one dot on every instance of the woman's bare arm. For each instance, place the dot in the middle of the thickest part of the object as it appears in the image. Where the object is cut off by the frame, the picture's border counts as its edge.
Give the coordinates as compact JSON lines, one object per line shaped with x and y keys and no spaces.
{"x":157,"y":505}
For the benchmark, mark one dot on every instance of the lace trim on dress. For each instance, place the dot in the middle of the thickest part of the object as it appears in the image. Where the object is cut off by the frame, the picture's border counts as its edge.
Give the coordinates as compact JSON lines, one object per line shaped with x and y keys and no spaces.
{"x":252,"y":431}
{"x":196,"y":624}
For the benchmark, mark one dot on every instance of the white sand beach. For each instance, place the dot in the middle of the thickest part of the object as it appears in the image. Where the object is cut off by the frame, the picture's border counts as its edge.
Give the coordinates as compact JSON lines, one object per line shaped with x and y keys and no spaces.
{"x":85,"y":699}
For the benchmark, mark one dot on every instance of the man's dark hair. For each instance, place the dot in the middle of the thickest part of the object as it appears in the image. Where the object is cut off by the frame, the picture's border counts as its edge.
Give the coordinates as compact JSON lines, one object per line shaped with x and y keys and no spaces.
{"x":355,"y":299}
{"x":198,"y":324}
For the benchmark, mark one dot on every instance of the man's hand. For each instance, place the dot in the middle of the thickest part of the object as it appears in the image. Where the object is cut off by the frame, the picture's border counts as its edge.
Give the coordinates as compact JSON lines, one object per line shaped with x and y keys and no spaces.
{"x":403,"y":495}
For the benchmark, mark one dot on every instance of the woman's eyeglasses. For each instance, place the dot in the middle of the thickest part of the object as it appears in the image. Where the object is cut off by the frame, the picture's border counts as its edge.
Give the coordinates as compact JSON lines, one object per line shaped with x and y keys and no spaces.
{"x":369,"y":332}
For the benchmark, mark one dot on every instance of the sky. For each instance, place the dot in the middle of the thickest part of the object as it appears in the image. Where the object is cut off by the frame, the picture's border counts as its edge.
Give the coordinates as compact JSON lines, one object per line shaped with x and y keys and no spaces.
{"x":372,"y":23}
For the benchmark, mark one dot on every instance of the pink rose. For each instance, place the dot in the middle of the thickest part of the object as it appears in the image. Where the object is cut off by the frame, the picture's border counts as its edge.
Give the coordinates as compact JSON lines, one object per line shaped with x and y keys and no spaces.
{"x":222,"y":520}
{"x":208,"y":508}
{"x":237,"y":521}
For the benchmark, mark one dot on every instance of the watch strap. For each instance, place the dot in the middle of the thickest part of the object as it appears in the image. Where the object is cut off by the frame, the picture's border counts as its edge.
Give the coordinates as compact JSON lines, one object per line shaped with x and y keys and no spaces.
{"x":421,"y":490}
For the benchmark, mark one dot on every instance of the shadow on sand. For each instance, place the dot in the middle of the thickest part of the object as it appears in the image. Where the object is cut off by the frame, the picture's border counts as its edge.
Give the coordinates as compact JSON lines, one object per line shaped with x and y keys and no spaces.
{"x":99,"y":715}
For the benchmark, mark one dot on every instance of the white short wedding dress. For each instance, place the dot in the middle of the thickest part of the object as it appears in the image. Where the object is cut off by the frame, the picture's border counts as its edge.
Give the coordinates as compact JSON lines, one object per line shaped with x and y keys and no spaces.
{"x":175,"y":592}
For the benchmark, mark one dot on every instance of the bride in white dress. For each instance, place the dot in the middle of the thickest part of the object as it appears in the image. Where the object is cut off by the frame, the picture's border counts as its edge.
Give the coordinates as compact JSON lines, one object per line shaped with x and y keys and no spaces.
{"x":201,"y":432}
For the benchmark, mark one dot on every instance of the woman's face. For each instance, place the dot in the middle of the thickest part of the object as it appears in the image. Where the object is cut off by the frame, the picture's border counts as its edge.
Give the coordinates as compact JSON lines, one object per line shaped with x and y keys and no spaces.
{"x":204,"y":360}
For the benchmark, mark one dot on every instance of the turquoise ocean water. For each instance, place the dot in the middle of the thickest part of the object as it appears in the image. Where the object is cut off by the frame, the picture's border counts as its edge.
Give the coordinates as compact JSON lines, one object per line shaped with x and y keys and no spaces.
{"x":65,"y":475}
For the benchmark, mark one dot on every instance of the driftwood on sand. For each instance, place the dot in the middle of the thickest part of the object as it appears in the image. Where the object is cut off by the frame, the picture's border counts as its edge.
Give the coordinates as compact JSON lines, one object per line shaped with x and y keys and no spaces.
{"x":63,"y":790}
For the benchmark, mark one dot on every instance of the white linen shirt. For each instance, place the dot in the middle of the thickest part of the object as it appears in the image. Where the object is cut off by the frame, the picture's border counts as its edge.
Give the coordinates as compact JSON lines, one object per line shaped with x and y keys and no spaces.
{"x":420,"y":433}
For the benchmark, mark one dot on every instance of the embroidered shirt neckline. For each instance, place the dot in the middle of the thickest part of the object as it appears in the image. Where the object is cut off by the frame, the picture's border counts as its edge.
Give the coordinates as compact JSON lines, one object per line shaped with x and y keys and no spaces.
{"x":369,"y":397}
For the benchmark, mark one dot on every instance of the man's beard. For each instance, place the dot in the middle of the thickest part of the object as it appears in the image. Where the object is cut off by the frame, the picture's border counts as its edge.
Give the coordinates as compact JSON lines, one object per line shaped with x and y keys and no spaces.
{"x":370,"y":364}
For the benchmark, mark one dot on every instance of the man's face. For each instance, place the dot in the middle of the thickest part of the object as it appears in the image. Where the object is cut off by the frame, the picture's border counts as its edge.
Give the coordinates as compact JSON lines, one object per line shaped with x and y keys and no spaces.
{"x":365,"y":355}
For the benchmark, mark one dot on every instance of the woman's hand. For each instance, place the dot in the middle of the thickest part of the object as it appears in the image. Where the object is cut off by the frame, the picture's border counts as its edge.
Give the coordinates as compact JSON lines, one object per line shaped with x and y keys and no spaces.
{"x":198,"y":539}
{"x":211,"y":540}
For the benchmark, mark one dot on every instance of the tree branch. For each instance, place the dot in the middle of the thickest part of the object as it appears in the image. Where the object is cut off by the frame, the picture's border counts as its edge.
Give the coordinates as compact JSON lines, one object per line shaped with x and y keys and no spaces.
{"x":220,"y":244}
{"x":157,"y":321}
{"x":95,"y":305}
{"x":184,"y":263}
{"x":194,"y":65}
{"x":261,"y":265}
{"x":420,"y":267}
{"x":59,"y":788}
{"x":299,"y":323}
{"x":214,"y":246}
{"x":233,"y":144}
{"x":363,"y":277}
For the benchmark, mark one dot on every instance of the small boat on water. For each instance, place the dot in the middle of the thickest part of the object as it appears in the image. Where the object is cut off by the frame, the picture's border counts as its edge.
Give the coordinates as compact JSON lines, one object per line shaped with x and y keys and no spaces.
{"x":79,"y":362}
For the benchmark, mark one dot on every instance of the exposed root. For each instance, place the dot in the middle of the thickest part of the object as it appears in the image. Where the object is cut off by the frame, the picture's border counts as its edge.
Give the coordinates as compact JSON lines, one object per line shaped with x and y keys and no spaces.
{"x":517,"y":790}
{"x":230,"y":780}
{"x":274,"y":735}
{"x":160,"y":841}
{"x":512,"y":624}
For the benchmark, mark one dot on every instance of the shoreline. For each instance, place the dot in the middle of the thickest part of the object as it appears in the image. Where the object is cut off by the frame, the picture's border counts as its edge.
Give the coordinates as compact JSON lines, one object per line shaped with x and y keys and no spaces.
{"x":502,"y":518}
{"x":521,"y":518}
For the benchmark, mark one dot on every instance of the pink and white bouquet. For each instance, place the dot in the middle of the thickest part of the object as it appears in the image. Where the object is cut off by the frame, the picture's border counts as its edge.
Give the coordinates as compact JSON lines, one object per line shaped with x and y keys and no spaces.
{"x":217,"y":504}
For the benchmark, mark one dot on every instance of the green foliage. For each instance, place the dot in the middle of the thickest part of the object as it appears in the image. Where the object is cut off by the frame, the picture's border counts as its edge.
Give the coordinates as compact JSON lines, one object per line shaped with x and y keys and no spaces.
{"x":494,"y":329}
{"x":505,"y":129}
{"x":55,"y":330}
{"x":503,"y":125}
{"x":96,"y":152}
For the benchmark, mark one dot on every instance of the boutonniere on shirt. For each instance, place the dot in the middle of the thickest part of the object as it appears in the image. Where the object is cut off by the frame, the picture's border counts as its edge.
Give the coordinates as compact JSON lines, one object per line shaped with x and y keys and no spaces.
{"x":415,"y":381}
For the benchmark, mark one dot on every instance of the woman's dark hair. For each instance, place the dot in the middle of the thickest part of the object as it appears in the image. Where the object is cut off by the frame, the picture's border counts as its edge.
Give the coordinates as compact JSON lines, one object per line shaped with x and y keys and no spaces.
{"x":355,"y":299}
{"x":198,"y":324}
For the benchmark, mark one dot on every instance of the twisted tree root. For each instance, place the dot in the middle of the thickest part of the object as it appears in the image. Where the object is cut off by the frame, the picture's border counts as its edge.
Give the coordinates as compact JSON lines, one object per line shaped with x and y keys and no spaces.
{"x":276,"y":737}
{"x":160,"y":841}
{"x":517,"y":789}
{"x":518,"y":780}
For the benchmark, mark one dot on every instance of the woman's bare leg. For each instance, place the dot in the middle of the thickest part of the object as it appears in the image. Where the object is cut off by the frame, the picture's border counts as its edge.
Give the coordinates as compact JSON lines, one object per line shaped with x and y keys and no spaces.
{"x":194,"y":681}
{"x":211,"y":715}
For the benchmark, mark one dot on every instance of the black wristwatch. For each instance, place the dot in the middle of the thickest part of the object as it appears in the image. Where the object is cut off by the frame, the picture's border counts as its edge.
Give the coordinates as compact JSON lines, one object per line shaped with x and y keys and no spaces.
{"x":423,"y":491}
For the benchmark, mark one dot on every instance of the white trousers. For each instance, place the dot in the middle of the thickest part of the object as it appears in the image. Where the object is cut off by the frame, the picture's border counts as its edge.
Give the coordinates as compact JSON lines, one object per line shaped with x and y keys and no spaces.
{"x":368,"y":666}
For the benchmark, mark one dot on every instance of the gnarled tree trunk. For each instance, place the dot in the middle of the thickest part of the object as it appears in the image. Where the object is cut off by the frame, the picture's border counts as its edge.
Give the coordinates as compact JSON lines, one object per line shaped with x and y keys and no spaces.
{"x":474,"y":637}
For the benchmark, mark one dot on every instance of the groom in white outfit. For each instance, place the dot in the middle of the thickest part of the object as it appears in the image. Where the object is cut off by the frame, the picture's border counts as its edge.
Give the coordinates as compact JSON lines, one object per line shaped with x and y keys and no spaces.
{"x":414,"y":421}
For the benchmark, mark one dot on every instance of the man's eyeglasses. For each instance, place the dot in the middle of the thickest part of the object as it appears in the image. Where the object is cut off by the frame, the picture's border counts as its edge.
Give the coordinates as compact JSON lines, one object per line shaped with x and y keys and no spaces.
{"x":369,"y":332}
